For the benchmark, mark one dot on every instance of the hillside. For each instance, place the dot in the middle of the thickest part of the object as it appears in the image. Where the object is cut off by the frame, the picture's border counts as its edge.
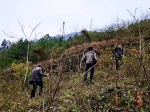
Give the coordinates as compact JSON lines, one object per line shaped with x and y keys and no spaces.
{"x":64,"y":90}
{"x":77,"y":96}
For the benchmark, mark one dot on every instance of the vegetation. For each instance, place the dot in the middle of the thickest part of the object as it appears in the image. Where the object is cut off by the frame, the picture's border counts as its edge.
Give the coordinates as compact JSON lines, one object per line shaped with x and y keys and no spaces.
{"x":125,"y":90}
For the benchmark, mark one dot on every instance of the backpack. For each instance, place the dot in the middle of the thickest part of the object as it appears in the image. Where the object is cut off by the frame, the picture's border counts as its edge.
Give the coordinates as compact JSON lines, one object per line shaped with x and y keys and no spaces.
{"x":94,"y":60}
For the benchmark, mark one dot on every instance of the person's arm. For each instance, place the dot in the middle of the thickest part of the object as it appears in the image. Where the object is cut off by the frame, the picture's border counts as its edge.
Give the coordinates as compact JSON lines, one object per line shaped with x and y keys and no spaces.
{"x":114,"y":50}
{"x":95,"y":57}
{"x":122,"y":51}
{"x":41,"y":73}
{"x":83,"y":58}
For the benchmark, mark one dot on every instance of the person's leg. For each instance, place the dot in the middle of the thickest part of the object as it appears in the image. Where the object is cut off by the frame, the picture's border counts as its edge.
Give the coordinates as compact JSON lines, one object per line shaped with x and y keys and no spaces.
{"x":121,"y":60}
{"x":41,"y":87}
{"x":33,"y":90}
{"x":91,"y":73}
{"x":86,"y":69}
{"x":117,"y":63}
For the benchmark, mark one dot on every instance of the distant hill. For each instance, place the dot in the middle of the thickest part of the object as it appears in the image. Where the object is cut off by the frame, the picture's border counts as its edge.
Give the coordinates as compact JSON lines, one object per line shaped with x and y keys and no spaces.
{"x":67,"y":36}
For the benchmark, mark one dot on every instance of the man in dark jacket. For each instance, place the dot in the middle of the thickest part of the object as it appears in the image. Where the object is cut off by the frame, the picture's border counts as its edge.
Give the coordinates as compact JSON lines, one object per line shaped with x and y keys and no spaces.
{"x":118,"y":54}
{"x":36,"y":80}
{"x":90,"y":59}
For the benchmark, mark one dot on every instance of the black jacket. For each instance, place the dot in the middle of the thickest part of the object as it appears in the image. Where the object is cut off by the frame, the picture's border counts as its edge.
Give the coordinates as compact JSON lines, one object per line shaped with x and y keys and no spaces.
{"x":115,"y":51}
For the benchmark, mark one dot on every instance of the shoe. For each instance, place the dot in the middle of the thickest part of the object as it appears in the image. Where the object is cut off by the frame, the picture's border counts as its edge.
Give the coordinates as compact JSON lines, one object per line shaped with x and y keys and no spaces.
{"x":117,"y":68}
{"x":91,"y":82}
{"x":85,"y":81}
{"x":31,"y":97}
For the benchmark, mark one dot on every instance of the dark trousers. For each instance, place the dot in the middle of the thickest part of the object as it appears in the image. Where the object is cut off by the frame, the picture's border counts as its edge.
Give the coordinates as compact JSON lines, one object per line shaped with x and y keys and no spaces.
{"x":35,"y":84}
{"x":118,"y":60}
{"x":88,"y":66}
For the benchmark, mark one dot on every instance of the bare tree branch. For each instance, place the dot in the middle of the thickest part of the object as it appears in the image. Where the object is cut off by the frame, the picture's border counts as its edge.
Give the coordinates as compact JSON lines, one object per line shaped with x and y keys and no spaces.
{"x":11,"y":36}
{"x":122,"y":21}
{"x":134,"y":16}
{"x":34,"y":30}
{"x":91,"y":24}
{"x":131,"y":14}
{"x":21,"y":26}
{"x":30,"y":27}
{"x":36,"y":35}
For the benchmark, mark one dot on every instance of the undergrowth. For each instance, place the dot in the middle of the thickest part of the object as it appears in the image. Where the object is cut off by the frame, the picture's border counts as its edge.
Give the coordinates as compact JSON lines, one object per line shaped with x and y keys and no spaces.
{"x":80,"y":97}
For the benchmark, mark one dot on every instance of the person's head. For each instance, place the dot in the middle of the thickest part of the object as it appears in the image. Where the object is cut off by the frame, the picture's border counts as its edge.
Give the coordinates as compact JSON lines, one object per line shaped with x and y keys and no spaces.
{"x":119,"y":46}
{"x":90,"y":48}
{"x":39,"y":65}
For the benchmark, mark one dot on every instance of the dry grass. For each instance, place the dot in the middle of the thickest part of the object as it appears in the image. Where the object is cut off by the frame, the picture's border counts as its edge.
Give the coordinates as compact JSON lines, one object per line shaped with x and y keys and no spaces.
{"x":100,"y":96}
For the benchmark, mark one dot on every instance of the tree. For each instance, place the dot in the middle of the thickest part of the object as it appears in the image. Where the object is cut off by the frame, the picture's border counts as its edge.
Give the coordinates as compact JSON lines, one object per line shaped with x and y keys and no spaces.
{"x":18,"y":51}
{"x":4,"y":44}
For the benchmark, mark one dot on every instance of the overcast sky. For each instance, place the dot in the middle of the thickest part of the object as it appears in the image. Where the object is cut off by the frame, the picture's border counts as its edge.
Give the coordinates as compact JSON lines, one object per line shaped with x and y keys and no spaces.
{"x":77,"y":15}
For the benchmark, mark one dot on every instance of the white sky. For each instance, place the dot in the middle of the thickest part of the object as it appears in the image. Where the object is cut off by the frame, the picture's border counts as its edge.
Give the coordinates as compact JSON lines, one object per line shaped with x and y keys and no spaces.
{"x":76,"y":14}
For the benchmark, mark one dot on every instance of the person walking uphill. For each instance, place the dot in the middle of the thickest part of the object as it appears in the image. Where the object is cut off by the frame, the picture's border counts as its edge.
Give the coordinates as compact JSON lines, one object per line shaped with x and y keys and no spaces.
{"x":90,"y":59}
{"x":118,"y":54}
{"x":36,"y":80}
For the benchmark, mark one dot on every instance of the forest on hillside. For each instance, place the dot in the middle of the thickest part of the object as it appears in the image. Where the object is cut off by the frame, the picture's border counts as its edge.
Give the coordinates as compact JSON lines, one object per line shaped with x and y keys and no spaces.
{"x":64,"y":90}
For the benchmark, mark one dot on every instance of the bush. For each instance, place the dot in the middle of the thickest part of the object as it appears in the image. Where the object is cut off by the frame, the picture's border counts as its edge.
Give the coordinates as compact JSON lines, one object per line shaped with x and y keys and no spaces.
{"x":20,"y":69}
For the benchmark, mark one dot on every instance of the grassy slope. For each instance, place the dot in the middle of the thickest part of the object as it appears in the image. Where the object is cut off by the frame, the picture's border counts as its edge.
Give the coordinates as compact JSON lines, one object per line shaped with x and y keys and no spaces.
{"x":100,"y":96}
